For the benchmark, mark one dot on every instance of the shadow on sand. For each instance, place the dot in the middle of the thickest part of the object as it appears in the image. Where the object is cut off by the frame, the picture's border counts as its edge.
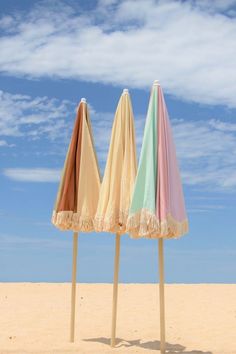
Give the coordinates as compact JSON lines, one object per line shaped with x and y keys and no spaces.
{"x":151,"y":345}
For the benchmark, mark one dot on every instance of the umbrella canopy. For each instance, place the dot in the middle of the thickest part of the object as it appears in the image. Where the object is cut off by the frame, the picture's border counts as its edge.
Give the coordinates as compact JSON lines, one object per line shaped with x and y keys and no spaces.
{"x":120,"y":171}
{"x":157,"y":207}
{"x":78,"y":193}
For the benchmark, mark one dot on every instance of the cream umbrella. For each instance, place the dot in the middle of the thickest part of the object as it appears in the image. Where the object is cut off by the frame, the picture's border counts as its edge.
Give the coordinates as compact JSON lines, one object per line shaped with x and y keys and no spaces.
{"x":157,"y":208}
{"x":117,"y":185}
{"x":78,"y":192}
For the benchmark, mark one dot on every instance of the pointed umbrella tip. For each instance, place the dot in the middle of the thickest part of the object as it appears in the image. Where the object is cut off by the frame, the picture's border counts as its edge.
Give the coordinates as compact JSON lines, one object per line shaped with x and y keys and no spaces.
{"x":125,"y":91}
{"x":83,"y":100}
{"x":156,"y":83}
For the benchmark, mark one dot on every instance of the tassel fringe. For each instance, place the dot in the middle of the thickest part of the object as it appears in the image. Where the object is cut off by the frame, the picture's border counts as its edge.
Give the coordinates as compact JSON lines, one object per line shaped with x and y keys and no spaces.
{"x":145,"y":224}
{"x":68,"y":220}
{"x":115,"y":222}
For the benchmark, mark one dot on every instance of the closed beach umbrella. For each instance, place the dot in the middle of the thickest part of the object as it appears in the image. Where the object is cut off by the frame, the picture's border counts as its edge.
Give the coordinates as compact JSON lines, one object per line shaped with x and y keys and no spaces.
{"x":78,"y":193}
{"x":117,"y":185}
{"x":157,"y":208}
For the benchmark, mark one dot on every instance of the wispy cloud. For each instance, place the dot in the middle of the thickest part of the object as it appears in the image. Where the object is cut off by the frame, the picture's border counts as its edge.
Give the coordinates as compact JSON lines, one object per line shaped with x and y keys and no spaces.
{"x":223,"y":126}
{"x":178,"y":42}
{"x":33,"y":117}
{"x":14,"y":241}
{"x":205,"y":208}
{"x":32,"y":174}
{"x":207,"y":153}
{"x":5,"y":143}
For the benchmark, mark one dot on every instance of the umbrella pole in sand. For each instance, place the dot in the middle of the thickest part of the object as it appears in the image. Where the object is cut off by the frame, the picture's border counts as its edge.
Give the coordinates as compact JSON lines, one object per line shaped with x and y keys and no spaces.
{"x":73,"y":287}
{"x":115,"y":291}
{"x":161,"y":294}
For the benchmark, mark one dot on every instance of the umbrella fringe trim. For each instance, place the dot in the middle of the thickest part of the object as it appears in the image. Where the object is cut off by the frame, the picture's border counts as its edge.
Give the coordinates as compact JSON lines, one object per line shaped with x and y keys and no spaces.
{"x":145,"y":224}
{"x":115,"y":222}
{"x":68,"y":220}
{"x":142,"y":224}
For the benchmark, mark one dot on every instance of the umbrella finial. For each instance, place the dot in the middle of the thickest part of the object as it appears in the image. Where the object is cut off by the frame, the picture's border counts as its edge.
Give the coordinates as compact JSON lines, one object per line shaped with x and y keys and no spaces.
{"x":83,"y":100}
{"x":156,"y":83}
{"x":125,"y":91}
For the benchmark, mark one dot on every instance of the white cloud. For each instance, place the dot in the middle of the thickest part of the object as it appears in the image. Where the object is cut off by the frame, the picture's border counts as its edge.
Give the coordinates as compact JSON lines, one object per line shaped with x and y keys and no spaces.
{"x":5,"y":143}
{"x":187,"y":47}
{"x":207,"y":153}
{"x":205,"y":208}
{"x":33,"y":174}
{"x":223,"y":126}
{"x":35,"y":118}
{"x":22,"y":115}
{"x":10,"y":241}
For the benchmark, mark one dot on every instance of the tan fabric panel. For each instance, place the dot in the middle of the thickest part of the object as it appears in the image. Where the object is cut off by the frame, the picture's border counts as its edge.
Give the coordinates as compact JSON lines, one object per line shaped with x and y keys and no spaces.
{"x":120,"y":172}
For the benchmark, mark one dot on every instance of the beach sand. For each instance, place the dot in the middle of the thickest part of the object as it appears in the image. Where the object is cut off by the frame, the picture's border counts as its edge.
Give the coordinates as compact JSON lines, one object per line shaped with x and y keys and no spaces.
{"x":35,"y":318}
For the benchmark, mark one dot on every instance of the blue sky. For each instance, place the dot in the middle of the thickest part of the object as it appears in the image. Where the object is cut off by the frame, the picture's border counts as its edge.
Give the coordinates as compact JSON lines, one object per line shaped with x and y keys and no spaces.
{"x":54,"y":53}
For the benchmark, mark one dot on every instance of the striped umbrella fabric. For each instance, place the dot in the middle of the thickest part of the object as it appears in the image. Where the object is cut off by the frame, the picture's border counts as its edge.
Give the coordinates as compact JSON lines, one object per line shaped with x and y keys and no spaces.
{"x":120,"y":171}
{"x":78,"y":193}
{"x":157,"y":207}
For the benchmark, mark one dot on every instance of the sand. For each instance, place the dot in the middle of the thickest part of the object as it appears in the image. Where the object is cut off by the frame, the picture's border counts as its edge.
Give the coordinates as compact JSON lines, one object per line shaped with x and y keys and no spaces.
{"x":35,"y":317}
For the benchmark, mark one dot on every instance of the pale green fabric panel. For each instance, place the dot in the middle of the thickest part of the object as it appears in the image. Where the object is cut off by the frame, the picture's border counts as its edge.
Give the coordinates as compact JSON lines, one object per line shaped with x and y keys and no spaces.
{"x":144,"y":195}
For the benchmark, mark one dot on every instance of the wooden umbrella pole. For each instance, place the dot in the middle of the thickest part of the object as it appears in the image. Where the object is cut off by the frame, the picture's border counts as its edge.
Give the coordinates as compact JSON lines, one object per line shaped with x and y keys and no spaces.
{"x":162,"y":296}
{"x":73,"y":287}
{"x":115,"y":291}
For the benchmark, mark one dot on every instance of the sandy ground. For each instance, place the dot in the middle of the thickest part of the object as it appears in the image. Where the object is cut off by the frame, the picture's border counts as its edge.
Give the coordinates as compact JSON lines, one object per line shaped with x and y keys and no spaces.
{"x":200,"y":319}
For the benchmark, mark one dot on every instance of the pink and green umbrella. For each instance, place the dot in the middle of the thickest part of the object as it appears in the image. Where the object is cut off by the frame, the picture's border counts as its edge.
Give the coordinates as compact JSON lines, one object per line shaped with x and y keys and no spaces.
{"x":157,"y":208}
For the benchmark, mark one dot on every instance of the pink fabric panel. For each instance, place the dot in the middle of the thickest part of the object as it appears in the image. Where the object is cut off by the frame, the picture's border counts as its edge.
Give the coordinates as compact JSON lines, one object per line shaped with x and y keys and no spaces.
{"x":169,"y":198}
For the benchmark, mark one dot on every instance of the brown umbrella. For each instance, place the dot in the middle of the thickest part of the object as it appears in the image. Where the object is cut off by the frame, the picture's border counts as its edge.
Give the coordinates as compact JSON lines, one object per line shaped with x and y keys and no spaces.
{"x":78,"y":193}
